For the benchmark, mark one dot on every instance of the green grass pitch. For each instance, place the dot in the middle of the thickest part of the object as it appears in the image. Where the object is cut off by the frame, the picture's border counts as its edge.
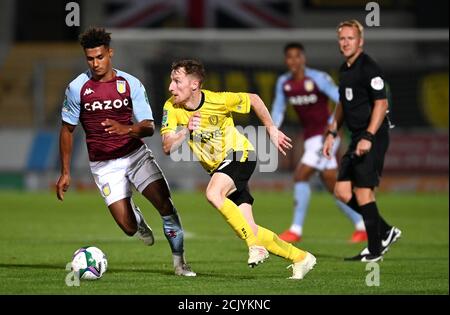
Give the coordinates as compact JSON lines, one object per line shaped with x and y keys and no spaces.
{"x":39,"y":235}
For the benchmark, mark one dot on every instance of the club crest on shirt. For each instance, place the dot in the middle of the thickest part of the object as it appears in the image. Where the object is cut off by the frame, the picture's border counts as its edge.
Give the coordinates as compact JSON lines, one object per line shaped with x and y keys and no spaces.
{"x":213,"y":119}
{"x":309,"y":85}
{"x":121,"y":86}
{"x":106,"y":190}
{"x":348,"y":94}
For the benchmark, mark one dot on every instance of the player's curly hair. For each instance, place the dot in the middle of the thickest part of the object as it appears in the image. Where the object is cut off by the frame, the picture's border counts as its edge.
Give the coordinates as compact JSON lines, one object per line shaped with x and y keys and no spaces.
{"x":296,"y":45}
{"x":191,"y":66}
{"x":95,"y":37}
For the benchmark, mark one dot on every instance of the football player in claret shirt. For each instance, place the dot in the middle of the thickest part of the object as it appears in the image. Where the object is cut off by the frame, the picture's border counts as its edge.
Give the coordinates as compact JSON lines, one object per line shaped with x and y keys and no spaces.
{"x":204,"y":118}
{"x":104,"y":100}
{"x":308,"y":91}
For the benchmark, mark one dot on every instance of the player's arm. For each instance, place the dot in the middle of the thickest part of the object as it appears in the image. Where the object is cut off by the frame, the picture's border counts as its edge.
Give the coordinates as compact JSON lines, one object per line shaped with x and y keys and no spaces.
{"x":377,"y":92}
{"x":325,"y":84}
{"x":65,"y":152}
{"x":171,"y":140}
{"x":279,"y":139}
{"x":376,"y":119}
{"x":172,"y":135}
{"x":144,"y":128}
{"x":279,"y":103}
{"x":338,"y":119}
{"x":332,"y":132}
{"x":70,"y":115}
{"x":142,"y":113}
{"x":378,"y":114}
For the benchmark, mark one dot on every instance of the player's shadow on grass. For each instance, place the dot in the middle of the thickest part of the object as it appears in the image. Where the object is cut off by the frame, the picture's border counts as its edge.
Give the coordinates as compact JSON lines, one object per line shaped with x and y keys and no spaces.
{"x":170,"y":272}
{"x":328,"y":257}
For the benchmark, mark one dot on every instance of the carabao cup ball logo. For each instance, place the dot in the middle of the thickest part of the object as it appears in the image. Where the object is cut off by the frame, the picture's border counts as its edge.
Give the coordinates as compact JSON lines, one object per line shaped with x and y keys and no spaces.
{"x":164,"y":118}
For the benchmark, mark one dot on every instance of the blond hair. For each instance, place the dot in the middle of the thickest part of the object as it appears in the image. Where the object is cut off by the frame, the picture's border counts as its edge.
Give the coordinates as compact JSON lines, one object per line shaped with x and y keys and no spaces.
{"x":352,"y":23}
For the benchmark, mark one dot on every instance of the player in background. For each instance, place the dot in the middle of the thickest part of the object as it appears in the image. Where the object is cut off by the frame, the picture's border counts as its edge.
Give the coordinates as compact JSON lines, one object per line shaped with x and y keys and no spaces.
{"x":205,"y":120}
{"x":308,"y":91}
{"x":104,"y":100}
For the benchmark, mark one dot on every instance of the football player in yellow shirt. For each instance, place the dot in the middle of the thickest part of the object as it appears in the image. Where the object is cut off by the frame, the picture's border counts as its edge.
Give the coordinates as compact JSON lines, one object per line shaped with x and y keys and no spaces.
{"x":204,"y":118}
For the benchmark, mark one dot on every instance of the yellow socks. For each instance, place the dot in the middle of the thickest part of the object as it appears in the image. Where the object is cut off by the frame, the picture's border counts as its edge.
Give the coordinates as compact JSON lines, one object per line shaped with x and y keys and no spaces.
{"x":265,"y":237}
{"x":236,"y":220}
{"x":277,"y":246}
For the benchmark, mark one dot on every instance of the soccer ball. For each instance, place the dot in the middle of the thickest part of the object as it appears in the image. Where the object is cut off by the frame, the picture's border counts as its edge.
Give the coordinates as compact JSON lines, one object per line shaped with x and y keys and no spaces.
{"x":90,"y":263}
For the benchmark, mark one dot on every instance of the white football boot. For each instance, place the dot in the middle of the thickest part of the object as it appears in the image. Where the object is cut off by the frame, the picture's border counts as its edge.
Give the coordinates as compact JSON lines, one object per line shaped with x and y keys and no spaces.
{"x":301,"y":268}
{"x":181,"y":267}
{"x":256,"y":255}
{"x":144,"y":232}
{"x":184,"y":270}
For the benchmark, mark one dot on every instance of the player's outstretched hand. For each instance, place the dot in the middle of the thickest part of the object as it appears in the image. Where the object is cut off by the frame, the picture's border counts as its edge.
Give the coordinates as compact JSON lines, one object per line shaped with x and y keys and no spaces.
{"x":328,"y":146}
{"x":114,"y":127}
{"x":62,"y":185}
{"x":194,"y":122}
{"x":280,"y":140}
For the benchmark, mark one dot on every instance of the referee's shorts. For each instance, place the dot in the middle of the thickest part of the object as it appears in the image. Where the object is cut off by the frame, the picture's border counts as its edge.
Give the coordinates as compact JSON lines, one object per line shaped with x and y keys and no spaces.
{"x":239,"y":165}
{"x":365,"y":171}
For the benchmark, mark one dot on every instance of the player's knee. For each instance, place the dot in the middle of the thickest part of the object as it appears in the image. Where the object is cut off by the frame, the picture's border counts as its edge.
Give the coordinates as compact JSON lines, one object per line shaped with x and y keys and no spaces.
{"x":300,"y":176}
{"x":363,"y":197}
{"x":342,"y":194}
{"x":214,"y":197}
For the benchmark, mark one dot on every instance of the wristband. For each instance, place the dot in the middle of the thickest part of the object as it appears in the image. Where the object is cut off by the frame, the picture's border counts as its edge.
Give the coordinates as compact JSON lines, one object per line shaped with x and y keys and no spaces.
{"x":367,"y":135}
{"x":330,"y":132}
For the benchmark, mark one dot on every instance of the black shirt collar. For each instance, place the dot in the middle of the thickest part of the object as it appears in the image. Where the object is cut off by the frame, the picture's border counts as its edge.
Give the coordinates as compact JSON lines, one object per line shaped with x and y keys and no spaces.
{"x":199,"y":105}
{"x":357,"y":60}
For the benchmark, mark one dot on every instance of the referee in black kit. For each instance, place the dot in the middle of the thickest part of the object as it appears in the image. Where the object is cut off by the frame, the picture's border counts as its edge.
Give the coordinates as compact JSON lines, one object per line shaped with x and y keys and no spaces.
{"x":363,"y":108}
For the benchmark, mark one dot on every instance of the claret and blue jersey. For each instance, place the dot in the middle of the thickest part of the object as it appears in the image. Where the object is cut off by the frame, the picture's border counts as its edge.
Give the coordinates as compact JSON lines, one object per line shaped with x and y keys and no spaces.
{"x":91,"y":102}
{"x":309,"y":97}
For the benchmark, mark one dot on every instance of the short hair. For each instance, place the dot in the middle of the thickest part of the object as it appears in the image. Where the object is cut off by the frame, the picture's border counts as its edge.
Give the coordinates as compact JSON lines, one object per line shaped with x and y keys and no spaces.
{"x":291,"y":45}
{"x":193,"y":67}
{"x":95,"y":37}
{"x":352,"y":23}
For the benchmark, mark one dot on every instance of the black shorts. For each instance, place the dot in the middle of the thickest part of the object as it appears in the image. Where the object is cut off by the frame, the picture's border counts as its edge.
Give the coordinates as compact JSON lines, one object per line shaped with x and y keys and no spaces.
{"x":239,"y":165}
{"x":366,"y":170}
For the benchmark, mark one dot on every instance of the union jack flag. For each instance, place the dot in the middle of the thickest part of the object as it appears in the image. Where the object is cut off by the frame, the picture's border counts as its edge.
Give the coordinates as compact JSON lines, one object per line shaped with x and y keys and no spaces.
{"x":198,"y":13}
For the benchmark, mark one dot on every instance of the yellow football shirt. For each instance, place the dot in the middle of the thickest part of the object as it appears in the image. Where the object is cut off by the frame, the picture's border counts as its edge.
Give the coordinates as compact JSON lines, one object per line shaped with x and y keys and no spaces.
{"x":217,"y":136}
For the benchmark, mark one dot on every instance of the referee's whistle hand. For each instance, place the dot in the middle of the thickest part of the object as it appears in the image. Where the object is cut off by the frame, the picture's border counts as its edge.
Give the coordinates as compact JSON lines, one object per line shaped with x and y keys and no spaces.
{"x":363,"y":147}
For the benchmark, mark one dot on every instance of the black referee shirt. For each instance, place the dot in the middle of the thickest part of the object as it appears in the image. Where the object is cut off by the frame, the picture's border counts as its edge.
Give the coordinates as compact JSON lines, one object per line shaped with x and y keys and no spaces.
{"x":359,"y":86}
